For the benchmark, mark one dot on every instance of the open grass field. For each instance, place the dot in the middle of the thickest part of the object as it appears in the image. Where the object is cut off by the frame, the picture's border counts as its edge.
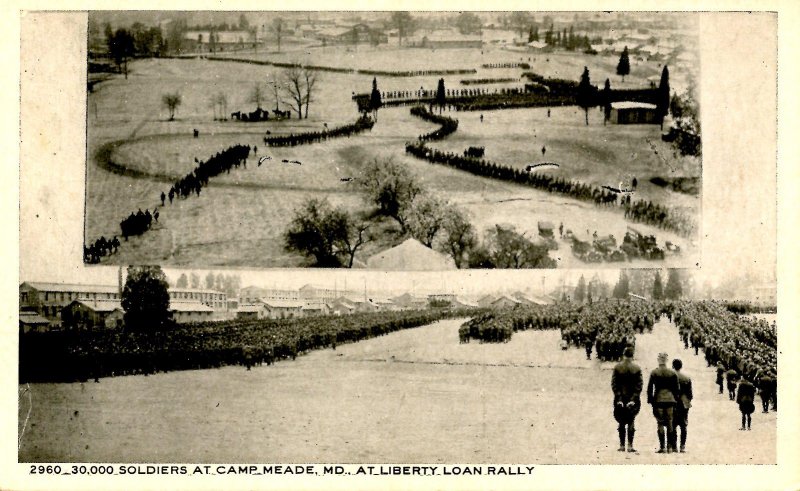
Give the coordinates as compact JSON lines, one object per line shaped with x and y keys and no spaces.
{"x":128,"y":126}
{"x":416,"y":396}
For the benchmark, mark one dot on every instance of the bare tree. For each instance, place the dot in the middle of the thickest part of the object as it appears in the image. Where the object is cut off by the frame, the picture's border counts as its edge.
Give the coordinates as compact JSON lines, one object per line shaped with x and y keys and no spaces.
{"x":276,"y":94}
{"x":257,"y":95}
{"x":277,"y":26}
{"x":293,"y":89}
{"x":298,"y":87}
{"x":171,"y":102}
{"x":311,"y":79}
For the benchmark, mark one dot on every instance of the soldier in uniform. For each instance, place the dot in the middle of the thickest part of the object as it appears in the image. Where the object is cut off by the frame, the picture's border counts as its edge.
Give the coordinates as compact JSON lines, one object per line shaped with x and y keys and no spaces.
{"x":745,"y":397}
{"x":765,"y":390}
{"x":626,"y":383}
{"x":684,"y":403}
{"x":720,"y":375}
{"x":662,"y":394}
{"x":731,"y":377}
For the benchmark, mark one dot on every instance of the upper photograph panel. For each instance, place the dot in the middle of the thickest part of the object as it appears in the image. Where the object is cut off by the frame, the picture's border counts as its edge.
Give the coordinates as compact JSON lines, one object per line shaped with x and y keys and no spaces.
{"x":393,"y":140}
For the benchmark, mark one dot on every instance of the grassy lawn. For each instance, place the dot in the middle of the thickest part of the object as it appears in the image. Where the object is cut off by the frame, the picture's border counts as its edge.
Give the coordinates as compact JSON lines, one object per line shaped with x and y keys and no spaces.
{"x":240,"y":217}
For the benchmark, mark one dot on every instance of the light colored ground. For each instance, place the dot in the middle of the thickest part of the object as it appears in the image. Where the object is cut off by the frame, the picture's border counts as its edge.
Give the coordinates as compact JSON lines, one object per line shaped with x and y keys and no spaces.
{"x":254,"y":205}
{"x":416,"y":396}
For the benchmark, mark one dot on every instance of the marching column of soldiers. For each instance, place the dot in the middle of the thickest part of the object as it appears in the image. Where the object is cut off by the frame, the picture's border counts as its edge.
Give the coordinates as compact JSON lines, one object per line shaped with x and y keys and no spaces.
{"x":100,"y":248}
{"x":363,"y":123}
{"x":84,"y":355}
{"x":743,"y":351}
{"x":230,"y":158}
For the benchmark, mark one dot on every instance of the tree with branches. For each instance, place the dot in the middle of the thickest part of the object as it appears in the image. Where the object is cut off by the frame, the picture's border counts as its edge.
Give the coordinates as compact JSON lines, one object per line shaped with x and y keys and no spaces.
{"x":404,"y":23}
{"x":171,"y":101}
{"x":257,"y":95}
{"x":145,"y":299}
{"x":298,"y":87}
{"x":391,"y":187}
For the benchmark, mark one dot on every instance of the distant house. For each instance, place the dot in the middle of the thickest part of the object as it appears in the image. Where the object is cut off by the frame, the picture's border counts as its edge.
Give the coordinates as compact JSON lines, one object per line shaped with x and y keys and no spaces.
{"x":315,"y":309}
{"x":448,"y":40}
{"x":627,"y":112}
{"x":407,"y":301}
{"x":93,"y":314}
{"x":47,"y":299}
{"x":356,"y":34}
{"x":505,"y":302}
{"x":411,"y":255}
{"x":460,"y":303}
{"x":342,"y":306}
{"x":250,"y":312}
{"x":282,"y":309}
{"x":190,"y":311}
{"x":486,"y":301}
{"x":33,"y":322}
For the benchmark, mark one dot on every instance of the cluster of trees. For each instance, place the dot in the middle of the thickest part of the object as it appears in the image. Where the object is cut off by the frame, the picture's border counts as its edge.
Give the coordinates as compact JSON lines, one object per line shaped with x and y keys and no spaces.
{"x":228,"y":283}
{"x":648,"y":283}
{"x":81,"y":355}
{"x":332,"y":235}
{"x":685,"y":131}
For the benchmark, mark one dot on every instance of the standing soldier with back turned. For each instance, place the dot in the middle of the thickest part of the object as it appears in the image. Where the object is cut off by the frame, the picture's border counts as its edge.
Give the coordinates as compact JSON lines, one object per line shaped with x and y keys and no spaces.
{"x":626,"y":382}
{"x":662,"y":394}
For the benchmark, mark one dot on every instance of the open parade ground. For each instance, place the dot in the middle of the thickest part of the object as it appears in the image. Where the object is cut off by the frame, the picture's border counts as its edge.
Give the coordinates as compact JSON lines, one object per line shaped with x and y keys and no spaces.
{"x":414,"y":396}
{"x":135,"y":152}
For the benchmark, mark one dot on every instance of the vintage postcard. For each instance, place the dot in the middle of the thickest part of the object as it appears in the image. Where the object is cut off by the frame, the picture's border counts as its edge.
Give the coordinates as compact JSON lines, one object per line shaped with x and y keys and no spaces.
{"x":489,"y":249}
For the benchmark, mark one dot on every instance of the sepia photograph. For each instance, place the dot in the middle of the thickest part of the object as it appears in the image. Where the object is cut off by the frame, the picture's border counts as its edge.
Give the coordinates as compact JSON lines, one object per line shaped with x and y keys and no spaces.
{"x":401,"y":249}
{"x":393,"y":140}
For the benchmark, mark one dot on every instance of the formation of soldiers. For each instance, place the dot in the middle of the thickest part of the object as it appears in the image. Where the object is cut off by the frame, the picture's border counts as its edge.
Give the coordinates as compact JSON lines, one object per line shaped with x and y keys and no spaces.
{"x":232,"y":157}
{"x":137,"y":223}
{"x":604,"y":327}
{"x":660,"y":216}
{"x":100,"y":248}
{"x":744,"y":351}
{"x":447,"y":125}
{"x":637,"y":211}
{"x":362,"y":124}
{"x":86,"y":355}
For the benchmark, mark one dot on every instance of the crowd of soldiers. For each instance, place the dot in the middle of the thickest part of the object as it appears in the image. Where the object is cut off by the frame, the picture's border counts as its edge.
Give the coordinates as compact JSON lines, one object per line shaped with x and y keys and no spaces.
{"x":362,"y":124}
{"x":138,"y":223}
{"x":744,"y":350}
{"x":638,"y":211}
{"x":483,"y":81}
{"x":86,"y":355}
{"x":447,"y":125}
{"x":605,"y":327}
{"x":513,"y":64}
{"x":545,"y":182}
{"x":659,"y":216}
{"x":232,"y":157}
{"x":100,"y":248}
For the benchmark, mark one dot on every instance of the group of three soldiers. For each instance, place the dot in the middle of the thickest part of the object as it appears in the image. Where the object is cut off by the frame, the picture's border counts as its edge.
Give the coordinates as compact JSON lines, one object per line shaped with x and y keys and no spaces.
{"x":668,"y":391}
